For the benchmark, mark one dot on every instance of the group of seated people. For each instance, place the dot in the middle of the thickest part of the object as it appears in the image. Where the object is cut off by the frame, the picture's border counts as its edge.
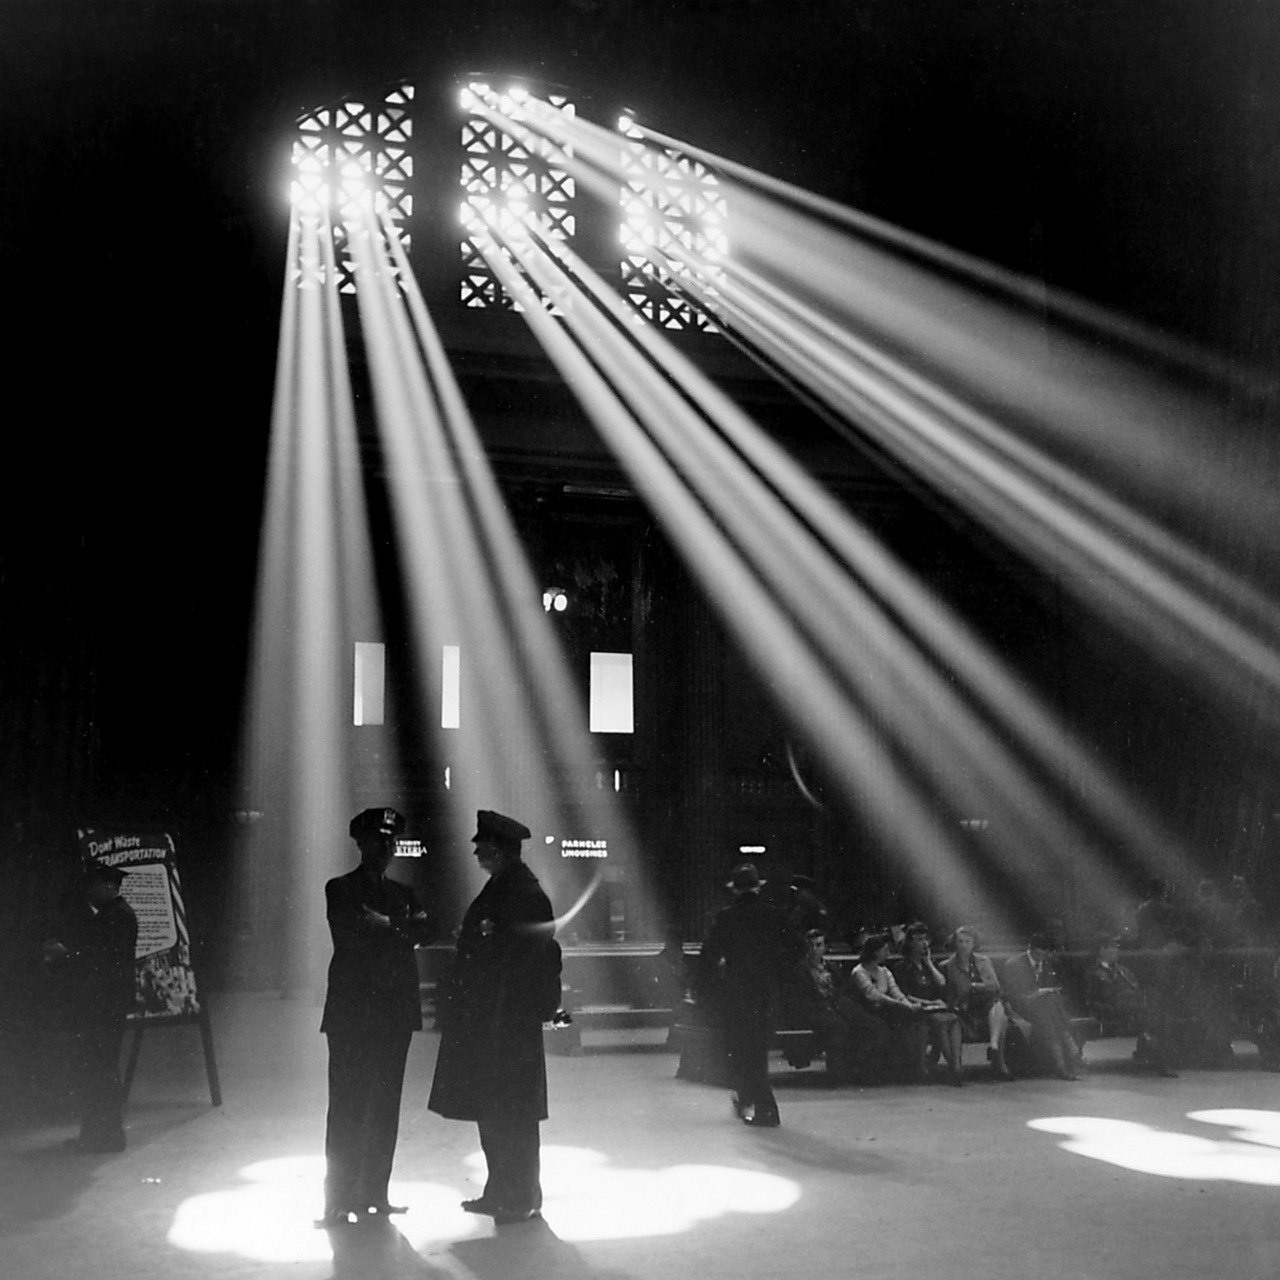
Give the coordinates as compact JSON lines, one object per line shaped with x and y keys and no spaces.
{"x":908,"y":1016}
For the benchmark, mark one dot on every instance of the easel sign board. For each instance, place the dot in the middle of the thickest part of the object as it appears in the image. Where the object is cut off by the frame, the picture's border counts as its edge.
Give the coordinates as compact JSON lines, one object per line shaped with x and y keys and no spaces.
{"x":166,"y":980}
{"x":165,"y":991}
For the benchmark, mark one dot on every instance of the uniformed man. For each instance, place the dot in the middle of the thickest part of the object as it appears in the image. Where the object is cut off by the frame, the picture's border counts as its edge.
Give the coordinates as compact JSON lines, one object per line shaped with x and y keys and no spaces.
{"x":371,"y":1011}
{"x":505,"y":985}
{"x":99,"y":959}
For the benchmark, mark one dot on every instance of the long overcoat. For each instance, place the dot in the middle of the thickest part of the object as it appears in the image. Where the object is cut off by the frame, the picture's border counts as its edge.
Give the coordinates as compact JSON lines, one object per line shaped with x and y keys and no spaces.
{"x":505,"y":984}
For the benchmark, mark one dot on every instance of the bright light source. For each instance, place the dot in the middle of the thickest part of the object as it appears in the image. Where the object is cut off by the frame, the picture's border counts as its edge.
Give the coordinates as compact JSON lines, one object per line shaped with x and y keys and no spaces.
{"x":370,"y":683}
{"x":450,"y":686}
{"x":554,"y":598}
{"x":611,"y":702}
{"x":751,"y":848}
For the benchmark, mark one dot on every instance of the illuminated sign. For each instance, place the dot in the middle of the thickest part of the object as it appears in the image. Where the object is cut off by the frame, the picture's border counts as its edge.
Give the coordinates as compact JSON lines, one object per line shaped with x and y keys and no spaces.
{"x":584,"y":848}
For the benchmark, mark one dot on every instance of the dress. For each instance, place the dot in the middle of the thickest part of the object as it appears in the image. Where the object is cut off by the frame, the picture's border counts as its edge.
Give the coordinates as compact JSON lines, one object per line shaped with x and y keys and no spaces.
{"x":491,"y":1066}
{"x":371,"y":1010}
{"x":101,"y":966}
{"x":748,"y":948}
{"x":905,"y":1048}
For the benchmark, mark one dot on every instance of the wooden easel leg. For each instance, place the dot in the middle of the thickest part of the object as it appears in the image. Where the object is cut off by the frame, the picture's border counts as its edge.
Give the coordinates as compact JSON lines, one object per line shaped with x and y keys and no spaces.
{"x":210,"y":1062}
{"x":134,"y":1050}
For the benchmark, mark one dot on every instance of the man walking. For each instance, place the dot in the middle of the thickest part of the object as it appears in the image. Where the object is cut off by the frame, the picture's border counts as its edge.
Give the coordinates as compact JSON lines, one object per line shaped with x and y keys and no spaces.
{"x":749,"y":946}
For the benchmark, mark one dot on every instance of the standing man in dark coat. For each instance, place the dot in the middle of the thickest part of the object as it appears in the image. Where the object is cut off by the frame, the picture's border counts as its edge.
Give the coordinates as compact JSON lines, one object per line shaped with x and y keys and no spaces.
{"x":371,"y":1011}
{"x":505,"y":985}
{"x":99,"y":959}
{"x":750,"y":946}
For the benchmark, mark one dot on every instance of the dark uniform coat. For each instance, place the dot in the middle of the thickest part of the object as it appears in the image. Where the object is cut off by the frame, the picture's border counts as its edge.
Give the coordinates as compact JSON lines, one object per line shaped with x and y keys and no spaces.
{"x":505,"y":984}
{"x":373,"y":976}
{"x":102,"y":965}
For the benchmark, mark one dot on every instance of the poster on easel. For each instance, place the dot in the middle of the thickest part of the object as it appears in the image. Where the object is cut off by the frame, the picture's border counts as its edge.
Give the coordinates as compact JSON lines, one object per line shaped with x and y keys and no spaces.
{"x":165,"y":991}
{"x":165,"y":978}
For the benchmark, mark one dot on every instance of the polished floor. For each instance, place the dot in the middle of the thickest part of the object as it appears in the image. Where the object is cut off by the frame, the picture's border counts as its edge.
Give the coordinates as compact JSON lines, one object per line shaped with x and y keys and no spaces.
{"x":1114,"y":1176}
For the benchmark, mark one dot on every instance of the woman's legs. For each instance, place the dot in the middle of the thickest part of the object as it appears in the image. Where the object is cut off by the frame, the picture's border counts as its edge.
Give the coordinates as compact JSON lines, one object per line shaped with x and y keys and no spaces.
{"x":998,"y":1032}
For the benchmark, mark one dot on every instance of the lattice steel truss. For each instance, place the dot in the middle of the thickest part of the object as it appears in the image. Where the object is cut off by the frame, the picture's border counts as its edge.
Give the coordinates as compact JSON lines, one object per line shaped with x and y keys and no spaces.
{"x":668,"y":199}
{"x":508,"y":183}
{"x":351,"y":155}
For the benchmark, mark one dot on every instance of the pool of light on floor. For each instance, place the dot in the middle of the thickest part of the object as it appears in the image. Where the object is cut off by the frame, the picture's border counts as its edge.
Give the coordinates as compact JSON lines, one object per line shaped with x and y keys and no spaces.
{"x":269,"y":1216}
{"x":1250,"y":1153}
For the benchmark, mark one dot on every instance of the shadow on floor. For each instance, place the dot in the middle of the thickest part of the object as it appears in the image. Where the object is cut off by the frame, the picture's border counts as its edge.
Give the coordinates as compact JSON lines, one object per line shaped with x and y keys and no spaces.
{"x":42,"y":1177}
{"x":529,"y":1251}
{"x":375,"y":1250}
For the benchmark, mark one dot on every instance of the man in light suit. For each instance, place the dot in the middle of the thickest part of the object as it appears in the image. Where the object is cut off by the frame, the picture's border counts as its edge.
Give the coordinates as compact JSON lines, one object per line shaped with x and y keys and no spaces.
{"x":1033,"y":988}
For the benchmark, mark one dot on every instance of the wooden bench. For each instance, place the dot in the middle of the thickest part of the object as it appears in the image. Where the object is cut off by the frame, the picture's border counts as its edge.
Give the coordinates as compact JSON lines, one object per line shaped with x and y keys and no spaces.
{"x":567,"y":1040}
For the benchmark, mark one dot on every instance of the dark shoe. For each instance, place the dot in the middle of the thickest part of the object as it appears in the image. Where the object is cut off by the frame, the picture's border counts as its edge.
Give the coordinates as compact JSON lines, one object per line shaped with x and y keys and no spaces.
{"x":336,"y":1218}
{"x":999,"y":1067}
{"x":481,"y":1205}
{"x":508,"y":1217}
{"x":957,"y":1078}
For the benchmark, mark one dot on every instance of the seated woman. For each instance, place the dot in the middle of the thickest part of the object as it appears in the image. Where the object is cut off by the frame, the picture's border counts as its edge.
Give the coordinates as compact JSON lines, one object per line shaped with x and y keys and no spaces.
{"x":973,"y":991}
{"x":1122,"y":1007}
{"x":919,"y":979}
{"x":817,"y":999}
{"x":1034,"y":990}
{"x":900,"y":1014}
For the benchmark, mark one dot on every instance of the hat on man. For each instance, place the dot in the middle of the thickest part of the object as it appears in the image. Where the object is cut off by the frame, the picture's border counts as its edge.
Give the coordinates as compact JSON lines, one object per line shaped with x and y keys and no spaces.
{"x":745,"y":877}
{"x":107,"y":874}
{"x":376,"y":822}
{"x":497,"y":828}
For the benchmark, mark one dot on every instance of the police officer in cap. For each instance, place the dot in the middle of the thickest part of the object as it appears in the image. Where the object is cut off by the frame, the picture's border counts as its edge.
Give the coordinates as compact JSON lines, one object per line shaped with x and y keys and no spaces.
{"x":505,"y":984}
{"x":371,"y":1011}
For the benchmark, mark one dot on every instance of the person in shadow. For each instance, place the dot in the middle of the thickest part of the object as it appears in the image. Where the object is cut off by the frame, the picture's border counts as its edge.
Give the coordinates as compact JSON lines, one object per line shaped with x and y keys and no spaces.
{"x":505,"y":984}
{"x":98,"y":960}
{"x":748,"y":948}
{"x":371,"y":1010}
